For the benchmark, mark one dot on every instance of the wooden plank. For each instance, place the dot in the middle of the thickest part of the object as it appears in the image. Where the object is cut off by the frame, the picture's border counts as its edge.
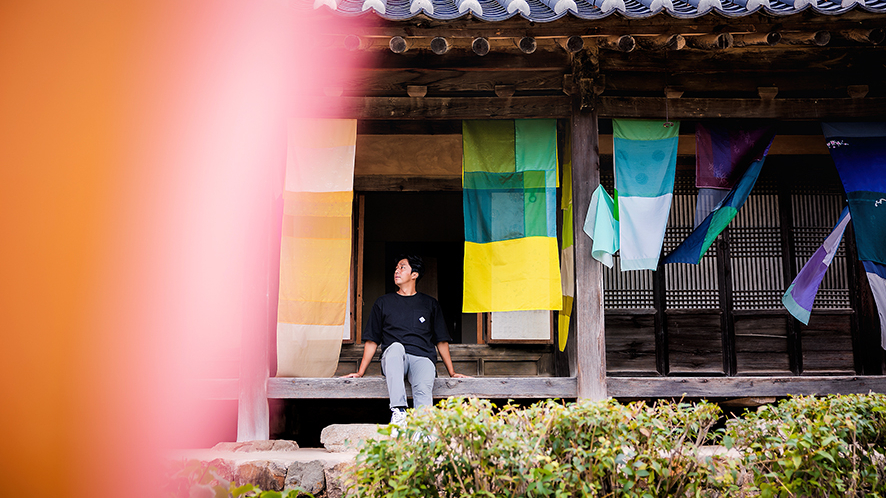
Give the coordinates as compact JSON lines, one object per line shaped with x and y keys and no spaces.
{"x":588,"y":358}
{"x":691,"y":108}
{"x":487,"y":387}
{"x":438,"y":107}
{"x":630,"y":343}
{"x":832,"y":83}
{"x":394,"y":82}
{"x":409,"y":155}
{"x":448,"y":108}
{"x":695,"y":343}
{"x":731,"y":387}
{"x":544,"y":58}
{"x":662,"y":364}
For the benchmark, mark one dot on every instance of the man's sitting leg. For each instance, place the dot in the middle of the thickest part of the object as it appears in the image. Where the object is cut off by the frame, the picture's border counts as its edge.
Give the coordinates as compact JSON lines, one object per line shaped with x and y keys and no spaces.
{"x":393,"y":366}
{"x":421,"y":372}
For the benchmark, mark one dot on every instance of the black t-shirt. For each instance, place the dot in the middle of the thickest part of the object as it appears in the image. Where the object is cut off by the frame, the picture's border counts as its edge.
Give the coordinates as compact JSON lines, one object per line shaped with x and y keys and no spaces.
{"x":415,"y":321}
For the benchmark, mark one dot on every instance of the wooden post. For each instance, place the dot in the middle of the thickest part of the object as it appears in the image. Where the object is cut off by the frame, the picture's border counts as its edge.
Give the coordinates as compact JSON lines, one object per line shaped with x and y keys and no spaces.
{"x":587,"y":347}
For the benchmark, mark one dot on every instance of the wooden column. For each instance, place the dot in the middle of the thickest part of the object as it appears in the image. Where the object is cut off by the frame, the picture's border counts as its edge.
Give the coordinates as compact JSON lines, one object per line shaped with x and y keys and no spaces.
{"x":587,"y":347}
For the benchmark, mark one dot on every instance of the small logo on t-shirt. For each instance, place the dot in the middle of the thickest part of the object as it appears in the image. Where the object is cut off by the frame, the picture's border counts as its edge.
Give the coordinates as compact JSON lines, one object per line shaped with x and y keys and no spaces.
{"x":421,"y":319}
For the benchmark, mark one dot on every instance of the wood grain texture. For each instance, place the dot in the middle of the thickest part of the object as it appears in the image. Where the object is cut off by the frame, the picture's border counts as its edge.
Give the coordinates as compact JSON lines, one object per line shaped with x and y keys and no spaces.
{"x":588,"y":355}
{"x":543,"y":107}
{"x":489,"y":387}
{"x":731,"y":387}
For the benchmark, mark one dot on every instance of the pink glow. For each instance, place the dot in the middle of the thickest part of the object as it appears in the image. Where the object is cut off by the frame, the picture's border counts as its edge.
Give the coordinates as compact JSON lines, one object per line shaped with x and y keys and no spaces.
{"x":142,"y":147}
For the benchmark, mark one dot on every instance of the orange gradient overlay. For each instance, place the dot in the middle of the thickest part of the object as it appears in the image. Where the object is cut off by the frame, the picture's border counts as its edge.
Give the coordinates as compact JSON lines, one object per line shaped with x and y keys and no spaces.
{"x":142,"y":150}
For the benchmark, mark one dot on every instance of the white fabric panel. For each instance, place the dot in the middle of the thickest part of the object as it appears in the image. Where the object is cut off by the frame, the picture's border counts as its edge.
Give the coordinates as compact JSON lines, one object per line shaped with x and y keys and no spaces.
{"x":642,"y":224}
{"x":523,"y":325}
{"x":878,"y":289}
{"x":309,"y":350}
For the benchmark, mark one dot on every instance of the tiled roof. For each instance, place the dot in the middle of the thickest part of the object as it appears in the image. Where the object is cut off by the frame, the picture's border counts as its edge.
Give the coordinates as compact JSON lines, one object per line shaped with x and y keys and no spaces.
{"x":550,"y":10}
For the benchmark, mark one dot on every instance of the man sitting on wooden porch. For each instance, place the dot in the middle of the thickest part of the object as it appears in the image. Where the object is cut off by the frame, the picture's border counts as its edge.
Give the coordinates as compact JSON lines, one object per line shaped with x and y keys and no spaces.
{"x":407,"y":324}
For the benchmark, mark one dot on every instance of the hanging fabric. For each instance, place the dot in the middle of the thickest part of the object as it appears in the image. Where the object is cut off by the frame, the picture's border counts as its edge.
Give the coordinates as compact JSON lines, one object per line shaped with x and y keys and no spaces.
{"x":859,"y":153}
{"x":747,"y":157}
{"x":315,"y":252}
{"x":567,"y":253}
{"x":601,"y":226}
{"x":723,"y":152}
{"x":800,"y":296}
{"x":510,"y":211}
{"x":645,"y":155}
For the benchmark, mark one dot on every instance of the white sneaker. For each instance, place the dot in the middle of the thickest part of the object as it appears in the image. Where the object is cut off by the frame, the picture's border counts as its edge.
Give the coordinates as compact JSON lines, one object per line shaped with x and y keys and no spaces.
{"x":398,"y":418}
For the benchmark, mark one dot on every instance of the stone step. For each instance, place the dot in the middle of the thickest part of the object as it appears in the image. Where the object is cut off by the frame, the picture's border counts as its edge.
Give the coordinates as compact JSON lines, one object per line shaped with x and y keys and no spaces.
{"x":276,"y":465}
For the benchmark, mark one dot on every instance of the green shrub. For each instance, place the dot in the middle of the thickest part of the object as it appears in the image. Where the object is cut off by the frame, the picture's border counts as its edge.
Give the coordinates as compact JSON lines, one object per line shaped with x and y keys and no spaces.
{"x":808,"y":446}
{"x":471,"y":448}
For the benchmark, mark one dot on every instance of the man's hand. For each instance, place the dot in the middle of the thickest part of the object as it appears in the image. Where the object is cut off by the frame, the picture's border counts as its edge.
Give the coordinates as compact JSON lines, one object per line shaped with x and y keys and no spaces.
{"x":355,"y":375}
{"x":460,"y":376}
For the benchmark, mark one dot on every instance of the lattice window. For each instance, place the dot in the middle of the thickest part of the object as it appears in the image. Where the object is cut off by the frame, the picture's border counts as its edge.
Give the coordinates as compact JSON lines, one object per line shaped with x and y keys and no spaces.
{"x":688,"y":286}
{"x":814,"y":214}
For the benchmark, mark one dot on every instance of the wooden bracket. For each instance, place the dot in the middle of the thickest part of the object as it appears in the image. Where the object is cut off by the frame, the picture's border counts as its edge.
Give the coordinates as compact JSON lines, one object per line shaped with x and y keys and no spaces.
{"x":505,"y":90}
{"x":857,"y":91}
{"x":767,"y":92}
{"x":673,"y":92}
{"x":416,"y":90}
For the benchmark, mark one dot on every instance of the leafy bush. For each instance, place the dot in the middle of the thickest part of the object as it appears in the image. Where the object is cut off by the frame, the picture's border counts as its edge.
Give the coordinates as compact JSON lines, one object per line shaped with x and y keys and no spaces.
{"x":808,"y":446}
{"x":470,"y":448}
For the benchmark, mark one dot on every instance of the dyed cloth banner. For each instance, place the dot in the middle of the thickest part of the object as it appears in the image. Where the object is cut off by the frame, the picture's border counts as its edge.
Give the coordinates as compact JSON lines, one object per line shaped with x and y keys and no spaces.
{"x":315,"y":252}
{"x":800,"y":296}
{"x":510,"y":210}
{"x":723,"y":152}
{"x":645,"y":163}
{"x":602,"y":226}
{"x":859,"y":152}
{"x":699,"y":241}
{"x":567,"y":253}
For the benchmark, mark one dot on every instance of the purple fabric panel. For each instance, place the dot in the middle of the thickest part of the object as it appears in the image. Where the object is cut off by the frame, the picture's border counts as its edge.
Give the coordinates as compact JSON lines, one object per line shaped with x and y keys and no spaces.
{"x":723,"y":151}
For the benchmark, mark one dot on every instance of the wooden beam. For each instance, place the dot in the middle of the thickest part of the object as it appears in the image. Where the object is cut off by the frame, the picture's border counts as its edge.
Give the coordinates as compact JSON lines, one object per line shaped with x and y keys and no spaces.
{"x":731,"y":387}
{"x":439,"y":107}
{"x":587,"y":354}
{"x":563,"y":387}
{"x":386,"y":108}
{"x":383,"y":183}
{"x":690,"y":108}
{"x":375,"y":387}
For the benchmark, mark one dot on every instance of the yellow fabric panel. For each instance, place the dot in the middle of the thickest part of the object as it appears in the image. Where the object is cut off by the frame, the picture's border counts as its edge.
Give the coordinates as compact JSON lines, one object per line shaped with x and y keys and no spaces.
{"x":512,"y":275}
{"x":565,"y":316}
{"x":317,"y":227}
{"x":322,"y":133}
{"x":318,"y":203}
{"x":318,"y":313}
{"x":314,"y":269}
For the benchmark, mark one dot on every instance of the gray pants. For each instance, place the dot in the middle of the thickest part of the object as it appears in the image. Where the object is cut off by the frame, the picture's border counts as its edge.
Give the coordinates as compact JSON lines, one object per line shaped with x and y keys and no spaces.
{"x":420,"y":370}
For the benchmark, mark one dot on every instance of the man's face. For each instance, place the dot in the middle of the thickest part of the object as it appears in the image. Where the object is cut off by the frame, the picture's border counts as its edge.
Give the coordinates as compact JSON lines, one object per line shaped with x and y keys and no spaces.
{"x":403,"y":272}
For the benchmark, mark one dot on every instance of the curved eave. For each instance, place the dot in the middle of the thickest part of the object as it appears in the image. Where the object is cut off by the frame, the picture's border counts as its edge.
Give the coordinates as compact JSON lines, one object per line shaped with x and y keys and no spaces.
{"x":446,"y":10}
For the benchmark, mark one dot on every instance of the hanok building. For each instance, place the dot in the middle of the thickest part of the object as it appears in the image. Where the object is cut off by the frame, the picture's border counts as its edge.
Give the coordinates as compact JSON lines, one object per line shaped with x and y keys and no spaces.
{"x":715,"y":330}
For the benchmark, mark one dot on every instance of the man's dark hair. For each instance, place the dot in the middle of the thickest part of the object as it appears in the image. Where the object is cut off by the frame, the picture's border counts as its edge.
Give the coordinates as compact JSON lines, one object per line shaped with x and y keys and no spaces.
{"x":415,"y":262}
